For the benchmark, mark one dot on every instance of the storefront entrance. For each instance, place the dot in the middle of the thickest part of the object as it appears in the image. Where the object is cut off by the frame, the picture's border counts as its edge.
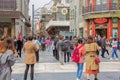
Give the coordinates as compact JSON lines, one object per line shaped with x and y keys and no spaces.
{"x":5,"y":29}
{"x":101,"y":32}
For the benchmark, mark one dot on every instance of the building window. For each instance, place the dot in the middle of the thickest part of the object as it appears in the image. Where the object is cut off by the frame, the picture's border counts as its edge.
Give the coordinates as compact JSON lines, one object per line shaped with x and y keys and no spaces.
{"x":115,"y":1}
{"x":8,"y":4}
{"x":67,"y":1}
{"x":101,"y":5}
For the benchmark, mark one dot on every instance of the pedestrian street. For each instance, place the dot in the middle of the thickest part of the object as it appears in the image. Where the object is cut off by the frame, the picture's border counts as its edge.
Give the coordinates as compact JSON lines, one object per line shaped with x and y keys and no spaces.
{"x":50,"y":69}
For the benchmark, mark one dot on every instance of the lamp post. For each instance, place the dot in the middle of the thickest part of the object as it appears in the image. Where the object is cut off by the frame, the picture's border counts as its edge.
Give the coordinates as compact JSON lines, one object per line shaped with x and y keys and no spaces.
{"x":33,"y":11}
{"x":32,"y":20}
{"x":75,"y":21}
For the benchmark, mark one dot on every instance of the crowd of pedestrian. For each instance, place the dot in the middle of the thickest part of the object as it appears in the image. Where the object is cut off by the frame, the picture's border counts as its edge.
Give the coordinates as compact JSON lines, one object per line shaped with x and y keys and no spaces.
{"x":62,"y":48}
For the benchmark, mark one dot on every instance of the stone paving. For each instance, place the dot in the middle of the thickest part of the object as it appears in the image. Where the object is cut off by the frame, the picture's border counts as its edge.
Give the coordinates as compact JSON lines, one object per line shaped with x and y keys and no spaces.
{"x":50,"y":69}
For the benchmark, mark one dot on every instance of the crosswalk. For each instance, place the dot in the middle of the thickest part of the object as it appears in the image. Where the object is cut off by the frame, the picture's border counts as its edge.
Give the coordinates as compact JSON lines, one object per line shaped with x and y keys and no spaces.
{"x":56,"y":67}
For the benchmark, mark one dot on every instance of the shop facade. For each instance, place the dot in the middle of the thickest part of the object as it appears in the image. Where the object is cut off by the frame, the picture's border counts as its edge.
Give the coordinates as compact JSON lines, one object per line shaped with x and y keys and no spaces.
{"x":13,"y":16}
{"x":102,"y":18}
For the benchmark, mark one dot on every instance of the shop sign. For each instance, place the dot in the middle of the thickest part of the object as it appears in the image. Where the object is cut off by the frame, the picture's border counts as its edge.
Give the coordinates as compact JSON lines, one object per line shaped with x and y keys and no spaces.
{"x":100,"y":20}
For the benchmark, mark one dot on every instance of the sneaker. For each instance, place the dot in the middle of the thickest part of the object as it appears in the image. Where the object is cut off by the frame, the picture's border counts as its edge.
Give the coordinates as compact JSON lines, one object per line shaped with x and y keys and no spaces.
{"x":62,"y":63}
{"x":77,"y":79}
{"x":111,"y":58}
{"x":117,"y":59}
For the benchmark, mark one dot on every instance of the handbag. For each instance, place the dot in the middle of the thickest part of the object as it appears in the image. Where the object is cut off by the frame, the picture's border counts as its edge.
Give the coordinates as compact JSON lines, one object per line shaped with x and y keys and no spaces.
{"x":97,"y":60}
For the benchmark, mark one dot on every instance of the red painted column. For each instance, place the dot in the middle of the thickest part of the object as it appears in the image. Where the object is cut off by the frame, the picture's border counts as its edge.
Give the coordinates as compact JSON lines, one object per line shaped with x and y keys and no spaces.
{"x":109,"y":29}
{"x":93,"y":28}
{"x":119,"y":29}
{"x":93,"y":5}
{"x":88,"y":28}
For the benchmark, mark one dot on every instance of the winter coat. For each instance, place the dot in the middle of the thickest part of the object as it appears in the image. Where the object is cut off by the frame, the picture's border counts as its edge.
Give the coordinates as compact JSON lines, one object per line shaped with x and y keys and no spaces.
{"x":81,"y":54}
{"x":59,"y":45}
{"x":30,"y":50}
{"x":90,"y":50}
{"x":6,"y":61}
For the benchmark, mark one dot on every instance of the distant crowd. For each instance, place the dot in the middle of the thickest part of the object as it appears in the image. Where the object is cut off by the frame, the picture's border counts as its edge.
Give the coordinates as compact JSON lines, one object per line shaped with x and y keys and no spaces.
{"x":63,"y":48}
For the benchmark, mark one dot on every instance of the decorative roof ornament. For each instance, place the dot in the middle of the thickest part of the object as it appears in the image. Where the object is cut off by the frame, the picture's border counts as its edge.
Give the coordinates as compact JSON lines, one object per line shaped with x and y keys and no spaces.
{"x":54,"y":9}
{"x":64,"y":11}
{"x":44,"y":10}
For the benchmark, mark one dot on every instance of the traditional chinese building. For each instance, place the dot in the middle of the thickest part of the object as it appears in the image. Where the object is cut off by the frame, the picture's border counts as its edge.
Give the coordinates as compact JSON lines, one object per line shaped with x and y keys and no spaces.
{"x":59,"y":21}
{"x":102,"y":17}
{"x":13,"y":17}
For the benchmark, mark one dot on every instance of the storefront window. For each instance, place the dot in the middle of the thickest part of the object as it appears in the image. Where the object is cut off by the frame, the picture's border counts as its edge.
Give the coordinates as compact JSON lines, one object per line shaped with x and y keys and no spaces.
{"x":7,"y":4}
{"x":101,"y":2}
{"x":115,"y":1}
{"x":115,"y":33}
{"x":98,"y":2}
{"x":101,"y":5}
{"x":104,"y":1}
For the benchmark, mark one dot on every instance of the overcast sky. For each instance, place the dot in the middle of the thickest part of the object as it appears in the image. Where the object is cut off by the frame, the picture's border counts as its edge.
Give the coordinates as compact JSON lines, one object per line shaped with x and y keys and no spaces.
{"x":37,"y":4}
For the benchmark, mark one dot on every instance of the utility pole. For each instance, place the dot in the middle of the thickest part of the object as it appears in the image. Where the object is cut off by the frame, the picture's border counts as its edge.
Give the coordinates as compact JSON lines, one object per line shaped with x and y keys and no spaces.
{"x":33,"y":20}
{"x":75,"y":30}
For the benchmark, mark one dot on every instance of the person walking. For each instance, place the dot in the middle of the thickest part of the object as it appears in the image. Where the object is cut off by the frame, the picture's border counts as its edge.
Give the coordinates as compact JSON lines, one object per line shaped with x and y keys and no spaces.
{"x":7,"y":59}
{"x":48,"y":44}
{"x":81,"y":59}
{"x":43,"y":43}
{"x":37,"y":44}
{"x":103,"y":46}
{"x":19,"y":46}
{"x":67,"y":53}
{"x":30,"y":58}
{"x":114,"y":49}
{"x":90,"y":50}
{"x":59,"y":49}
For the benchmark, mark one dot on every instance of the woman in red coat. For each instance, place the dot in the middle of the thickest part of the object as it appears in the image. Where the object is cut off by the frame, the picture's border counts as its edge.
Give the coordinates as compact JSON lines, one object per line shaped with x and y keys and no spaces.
{"x":80,"y":63}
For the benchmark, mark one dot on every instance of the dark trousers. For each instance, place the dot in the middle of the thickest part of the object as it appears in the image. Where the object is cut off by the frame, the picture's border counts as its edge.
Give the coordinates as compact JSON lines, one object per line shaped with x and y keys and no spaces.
{"x":103,"y":51}
{"x":19,"y":51}
{"x":67,"y":55}
{"x":26,"y":71}
{"x":56,"y":54}
{"x":37,"y":56}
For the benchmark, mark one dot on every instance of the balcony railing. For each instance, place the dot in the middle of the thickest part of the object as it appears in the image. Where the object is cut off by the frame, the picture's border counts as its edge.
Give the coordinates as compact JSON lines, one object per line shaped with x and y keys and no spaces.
{"x":101,"y":8}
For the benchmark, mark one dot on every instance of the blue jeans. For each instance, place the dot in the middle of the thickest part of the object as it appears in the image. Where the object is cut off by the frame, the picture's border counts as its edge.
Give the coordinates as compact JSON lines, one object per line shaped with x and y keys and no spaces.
{"x":79,"y":70}
{"x":114,"y":52}
{"x":48,"y":48}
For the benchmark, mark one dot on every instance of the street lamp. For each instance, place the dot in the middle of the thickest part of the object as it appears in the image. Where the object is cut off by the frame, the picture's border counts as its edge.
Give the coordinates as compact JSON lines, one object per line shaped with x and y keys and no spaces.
{"x":33,"y":11}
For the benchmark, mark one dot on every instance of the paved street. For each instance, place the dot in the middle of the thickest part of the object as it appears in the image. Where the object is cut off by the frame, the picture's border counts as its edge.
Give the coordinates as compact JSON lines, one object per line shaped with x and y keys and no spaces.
{"x":50,"y":69}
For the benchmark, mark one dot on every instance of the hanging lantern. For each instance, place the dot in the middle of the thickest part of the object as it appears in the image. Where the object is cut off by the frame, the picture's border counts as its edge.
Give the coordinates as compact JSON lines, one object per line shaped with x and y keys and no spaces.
{"x":54,"y":9}
{"x":64,"y":11}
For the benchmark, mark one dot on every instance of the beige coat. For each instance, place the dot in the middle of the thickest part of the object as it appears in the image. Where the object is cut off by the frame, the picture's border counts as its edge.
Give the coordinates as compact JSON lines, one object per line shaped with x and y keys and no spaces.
{"x":30,"y":49}
{"x":90,"y":50}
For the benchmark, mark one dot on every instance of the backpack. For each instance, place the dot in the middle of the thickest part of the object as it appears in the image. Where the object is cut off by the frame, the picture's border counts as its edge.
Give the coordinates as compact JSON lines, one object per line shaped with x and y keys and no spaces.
{"x":75,"y":55}
{"x":64,"y":47}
